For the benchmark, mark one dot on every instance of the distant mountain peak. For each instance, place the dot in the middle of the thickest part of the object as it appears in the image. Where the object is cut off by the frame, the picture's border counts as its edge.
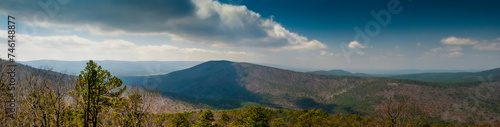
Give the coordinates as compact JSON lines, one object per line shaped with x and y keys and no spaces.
{"x":339,"y":72}
{"x":219,"y":61}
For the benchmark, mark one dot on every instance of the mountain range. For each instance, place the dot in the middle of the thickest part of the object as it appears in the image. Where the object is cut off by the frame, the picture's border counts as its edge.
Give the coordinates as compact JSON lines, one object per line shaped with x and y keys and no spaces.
{"x":340,"y":72}
{"x":452,"y":77}
{"x":229,"y":85}
{"x":117,"y":68}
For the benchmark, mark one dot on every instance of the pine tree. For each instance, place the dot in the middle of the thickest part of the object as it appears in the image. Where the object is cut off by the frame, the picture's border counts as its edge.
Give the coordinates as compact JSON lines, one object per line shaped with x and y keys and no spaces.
{"x":223,"y":120}
{"x":205,"y":119}
{"x":253,"y":117}
{"x":278,"y":122}
{"x":179,"y":120}
{"x":96,"y":87}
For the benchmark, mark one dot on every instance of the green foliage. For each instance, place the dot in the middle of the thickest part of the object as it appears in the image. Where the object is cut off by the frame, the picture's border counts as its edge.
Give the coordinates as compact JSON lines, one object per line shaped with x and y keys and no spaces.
{"x":95,"y":90}
{"x":278,"y":122}
{"x":253,"y":117}
{"x":223,"y":120}
{"x":205,"y":119}
{"x":308,"y":118}
{"x":179,"y":120}
{"x":127,"y":110}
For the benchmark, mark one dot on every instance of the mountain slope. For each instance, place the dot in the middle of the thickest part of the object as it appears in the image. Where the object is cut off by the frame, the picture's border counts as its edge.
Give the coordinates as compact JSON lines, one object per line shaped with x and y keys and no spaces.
{"x":117,"y":68}
{"x":229,"y":85}
{"x":250,"y":82}
{"x":340,"y":72}
{"x":451,"y":77}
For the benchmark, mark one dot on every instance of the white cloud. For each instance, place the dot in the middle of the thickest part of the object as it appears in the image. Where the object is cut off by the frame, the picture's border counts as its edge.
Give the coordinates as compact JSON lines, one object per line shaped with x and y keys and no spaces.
{"x":361,"y":53}
{"x":449,"y":51}
{"x":197,"y":21}
{"x":453,"y":54}
{"x":487,"y":46}
{"x":238,"y":26}
{"x":458,"y":41}
{"x":455,"y":51}
{"x":418,"y":44}
{"x":77,"y":48}
{"x":324,"y":53}
{"x":436,"y":49}
{"x":397,"y":47}
{"x":355,"y":45}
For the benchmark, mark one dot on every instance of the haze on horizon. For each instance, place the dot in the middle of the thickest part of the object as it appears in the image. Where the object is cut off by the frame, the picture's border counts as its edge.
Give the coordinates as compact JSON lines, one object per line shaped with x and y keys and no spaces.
{"x":402,"y":34}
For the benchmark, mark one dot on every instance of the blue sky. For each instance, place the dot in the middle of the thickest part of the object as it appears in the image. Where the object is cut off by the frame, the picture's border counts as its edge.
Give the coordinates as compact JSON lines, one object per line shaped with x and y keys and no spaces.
{"x":314,"y":34}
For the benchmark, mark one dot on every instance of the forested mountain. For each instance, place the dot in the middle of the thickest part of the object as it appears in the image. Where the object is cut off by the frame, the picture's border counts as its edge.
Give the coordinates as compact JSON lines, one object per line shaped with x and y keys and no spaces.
{"x":118,"y":68}
{"x":452,"y":77}
{"x":339,"y":72}
{"x":228,"y":85}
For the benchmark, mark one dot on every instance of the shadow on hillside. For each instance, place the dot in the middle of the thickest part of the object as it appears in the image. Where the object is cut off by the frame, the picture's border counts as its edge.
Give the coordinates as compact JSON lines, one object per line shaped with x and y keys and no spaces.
{"x":213,"y":84}
{"x":308,"y":103}
{"x":217,"y":103}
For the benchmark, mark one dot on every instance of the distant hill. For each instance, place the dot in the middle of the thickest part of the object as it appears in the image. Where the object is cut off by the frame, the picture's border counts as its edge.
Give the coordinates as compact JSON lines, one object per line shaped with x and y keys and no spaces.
{"x":229,"y":85}
{"x":340,"y":72}
{"x":250,"y":83}
{"x":389,"y":72}
{"x":452,"y":77}
{"x":117,"y":68}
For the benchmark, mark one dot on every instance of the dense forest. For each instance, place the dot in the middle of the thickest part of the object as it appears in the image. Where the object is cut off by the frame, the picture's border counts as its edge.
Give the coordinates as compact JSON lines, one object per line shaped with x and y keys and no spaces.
{"x":96,"y":98}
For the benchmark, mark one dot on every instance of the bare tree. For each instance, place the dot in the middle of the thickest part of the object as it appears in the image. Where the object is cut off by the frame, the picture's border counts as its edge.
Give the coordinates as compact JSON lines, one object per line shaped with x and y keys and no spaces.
{"x":136,"y":105}
{"x":405,"y":110}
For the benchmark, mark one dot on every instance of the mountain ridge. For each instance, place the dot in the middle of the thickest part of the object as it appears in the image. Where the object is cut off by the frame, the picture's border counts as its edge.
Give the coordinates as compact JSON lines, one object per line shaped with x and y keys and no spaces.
{"x":229,"y":85}
{"x":340,"y":72}
{"x":452,"y":77}
{"x":117,"y":68}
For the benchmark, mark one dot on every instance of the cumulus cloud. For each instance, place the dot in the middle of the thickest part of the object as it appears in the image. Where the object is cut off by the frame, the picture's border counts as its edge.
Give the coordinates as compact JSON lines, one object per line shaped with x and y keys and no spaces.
{"x":74,"y":47}
{"x":455,"y":48}
{"x":196,"y":21}
{"x":448,"y":52}
{"x":360,"y":53}
{"x":458,"y":41}
{"x":324,"y":53}
{"x":453,"y":54}
{"x":493,"y":46}
{"x":355,"y":45}
{"x":436,"y":49}
{"x":484,"y":45}
{"x":448,"y":48}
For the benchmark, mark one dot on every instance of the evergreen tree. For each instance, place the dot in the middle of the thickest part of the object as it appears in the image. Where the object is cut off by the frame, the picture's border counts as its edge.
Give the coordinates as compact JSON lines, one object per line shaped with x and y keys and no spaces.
{"x":205,"y":119}
{"x":278,"y":122}
{"x":96,"y":87}
{"x":223,"y":120}
{"x":253,"y":117}
{"x":179,"y":120}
